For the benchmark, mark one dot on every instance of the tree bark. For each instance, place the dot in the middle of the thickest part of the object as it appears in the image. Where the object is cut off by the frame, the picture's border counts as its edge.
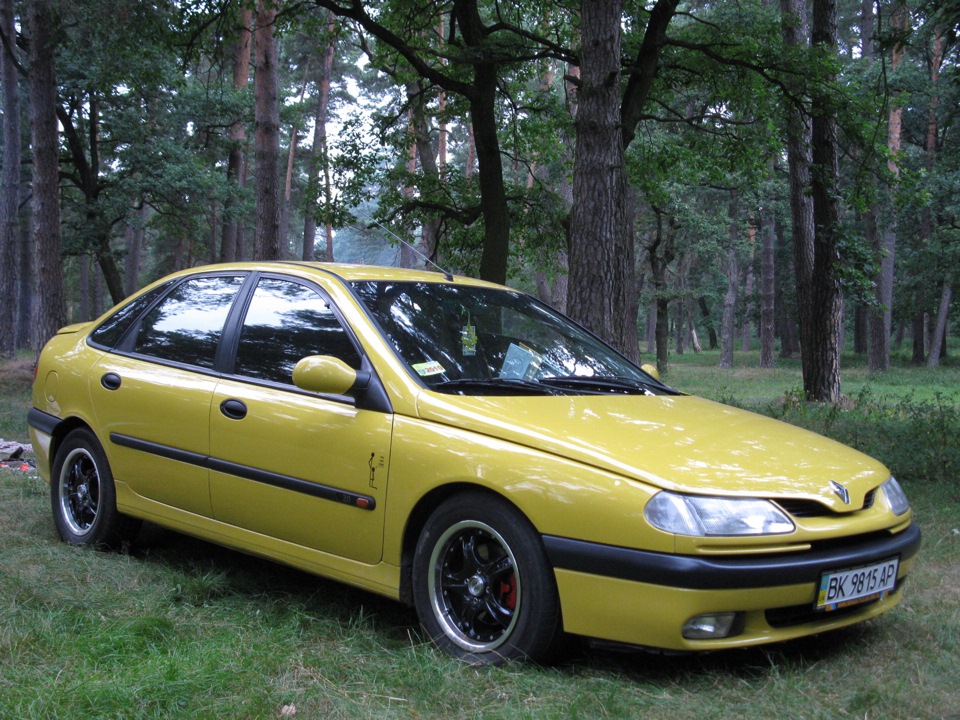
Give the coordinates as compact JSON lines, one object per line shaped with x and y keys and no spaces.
{"x":230,"y":249}
{"x":733,"y":283}
{"x":768,"y":290}
{"x":9,"y":185}
{"x":317,"y":158}
{"x":26,"y":277}
{"x":601,"y":263}
{"x":938,"y":338}
{"x":820,"y":326}
{"x":885,"y":240}
{"x":51,"y":311}
{"x":748,"y":291}
{"x":267,"y":139}
{"x":661,"y":255}
{"x":708,"y":319}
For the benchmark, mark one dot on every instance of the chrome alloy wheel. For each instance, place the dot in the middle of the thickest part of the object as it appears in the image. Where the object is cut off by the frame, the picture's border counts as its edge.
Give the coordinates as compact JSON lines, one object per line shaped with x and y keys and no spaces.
{"x":79,"y":491}
{"x":474,"y":586}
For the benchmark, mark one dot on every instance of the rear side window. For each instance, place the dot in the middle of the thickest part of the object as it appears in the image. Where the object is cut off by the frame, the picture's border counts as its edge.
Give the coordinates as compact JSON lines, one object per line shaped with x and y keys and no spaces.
{"x":112,"y":330}
{"x":286,"y":322}
{"x":186,"y":326}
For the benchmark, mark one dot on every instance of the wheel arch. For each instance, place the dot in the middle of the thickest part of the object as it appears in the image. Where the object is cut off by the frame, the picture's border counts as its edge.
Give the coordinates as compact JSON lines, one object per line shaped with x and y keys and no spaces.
{"x":63,"y":428}
{"x":417,"y":519}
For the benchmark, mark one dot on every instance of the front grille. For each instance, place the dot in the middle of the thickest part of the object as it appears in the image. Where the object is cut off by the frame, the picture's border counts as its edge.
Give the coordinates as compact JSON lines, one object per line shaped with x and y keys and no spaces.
{"x":804,"y":508}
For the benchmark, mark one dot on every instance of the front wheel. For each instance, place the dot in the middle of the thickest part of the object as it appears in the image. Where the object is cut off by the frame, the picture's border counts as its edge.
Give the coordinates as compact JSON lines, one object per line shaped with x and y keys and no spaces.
{"x":83,"y":497}
{"x":483,"y":588}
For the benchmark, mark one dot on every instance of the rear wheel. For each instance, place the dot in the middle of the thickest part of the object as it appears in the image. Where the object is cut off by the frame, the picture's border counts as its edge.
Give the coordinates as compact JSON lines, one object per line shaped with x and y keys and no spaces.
{"x":83,"y":497}
{"x":483,"y":588}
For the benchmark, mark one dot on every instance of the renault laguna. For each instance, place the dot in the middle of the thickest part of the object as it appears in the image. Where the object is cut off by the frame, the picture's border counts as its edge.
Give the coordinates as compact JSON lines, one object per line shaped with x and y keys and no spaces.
{"x":461,"y":447}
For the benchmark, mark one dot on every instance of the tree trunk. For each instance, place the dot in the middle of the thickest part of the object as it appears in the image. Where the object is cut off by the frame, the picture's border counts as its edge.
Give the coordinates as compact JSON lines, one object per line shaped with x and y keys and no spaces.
{"x":660,"y":256}
{"x":812,"y":155}
{"x":133,"y":244}
{"x":748,"y":291}
{"x":493,"y":194}
{"x":728,"y":321}
{"x":26,"y":277}
{"x":919,"y":336}
{"x":708,"y":319}
{"x":820,"y":324}
{"x":9,"y":186}
{"x":938,"y":339}
{"x":733,"y":283}
{"x":230,"y":249}
{"x":51,"y":311}
{"x":885,"y":241}
{"x":599,"y":272}
{"x":768,"y":290}
{"x":317,"y":158}
{"x":267,"y":139}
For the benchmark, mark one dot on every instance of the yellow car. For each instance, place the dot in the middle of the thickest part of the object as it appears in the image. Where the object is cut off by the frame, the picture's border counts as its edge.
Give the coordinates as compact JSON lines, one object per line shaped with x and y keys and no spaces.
{"x":461,"y":447}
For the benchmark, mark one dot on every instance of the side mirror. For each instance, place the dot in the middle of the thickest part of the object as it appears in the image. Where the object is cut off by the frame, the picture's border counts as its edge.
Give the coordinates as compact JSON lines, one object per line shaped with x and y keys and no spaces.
{"x":651,"y":370}
{"x":328,"y":375}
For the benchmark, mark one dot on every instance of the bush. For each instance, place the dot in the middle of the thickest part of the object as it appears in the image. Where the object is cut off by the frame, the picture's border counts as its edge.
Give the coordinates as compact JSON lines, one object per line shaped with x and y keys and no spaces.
{"x":916,"y":439}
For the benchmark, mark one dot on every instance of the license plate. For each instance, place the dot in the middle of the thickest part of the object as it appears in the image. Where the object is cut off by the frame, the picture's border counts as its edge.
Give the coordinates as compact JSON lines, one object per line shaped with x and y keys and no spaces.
{"x":850,"y":587}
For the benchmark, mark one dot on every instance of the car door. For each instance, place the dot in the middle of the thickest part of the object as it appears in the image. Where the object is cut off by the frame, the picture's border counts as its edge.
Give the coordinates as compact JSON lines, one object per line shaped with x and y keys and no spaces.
{"x":152,"y":394}
{"x":307,"y":469}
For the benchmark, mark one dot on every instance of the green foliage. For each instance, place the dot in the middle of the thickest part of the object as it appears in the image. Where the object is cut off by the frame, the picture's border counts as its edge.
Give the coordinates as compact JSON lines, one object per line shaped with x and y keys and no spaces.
{"x":916,"y":438}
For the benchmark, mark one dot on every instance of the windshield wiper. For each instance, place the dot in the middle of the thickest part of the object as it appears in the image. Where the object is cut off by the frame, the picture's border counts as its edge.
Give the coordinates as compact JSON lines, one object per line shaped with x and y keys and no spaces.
{"x":608,"y":384}
{"x":501,"y":386}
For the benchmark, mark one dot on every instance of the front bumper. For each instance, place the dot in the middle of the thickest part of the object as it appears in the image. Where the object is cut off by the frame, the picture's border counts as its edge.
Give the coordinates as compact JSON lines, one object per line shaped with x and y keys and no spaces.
{"x":644,"y":598}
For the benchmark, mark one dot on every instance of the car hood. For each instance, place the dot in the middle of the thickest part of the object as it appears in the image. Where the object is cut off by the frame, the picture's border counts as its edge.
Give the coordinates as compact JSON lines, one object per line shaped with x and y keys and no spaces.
{"x":682,"y":443}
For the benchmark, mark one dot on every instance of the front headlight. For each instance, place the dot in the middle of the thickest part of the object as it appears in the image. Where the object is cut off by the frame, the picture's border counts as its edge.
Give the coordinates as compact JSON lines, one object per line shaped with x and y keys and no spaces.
{"x":701,"y":516}
{"x":895,"y":496}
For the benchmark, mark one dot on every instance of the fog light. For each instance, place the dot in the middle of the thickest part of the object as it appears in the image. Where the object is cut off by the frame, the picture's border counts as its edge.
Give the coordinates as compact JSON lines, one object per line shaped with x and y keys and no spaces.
{"x":710,"y":625}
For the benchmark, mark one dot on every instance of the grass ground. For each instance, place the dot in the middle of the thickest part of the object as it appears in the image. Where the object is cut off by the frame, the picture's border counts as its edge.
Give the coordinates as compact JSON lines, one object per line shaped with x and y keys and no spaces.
{"x":178,"y":628}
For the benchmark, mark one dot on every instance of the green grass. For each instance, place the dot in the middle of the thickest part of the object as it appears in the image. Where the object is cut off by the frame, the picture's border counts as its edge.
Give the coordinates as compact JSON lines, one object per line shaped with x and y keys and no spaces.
{"x":15,"y":379}
{"x":179,"y":628}
{"x":750,"y":386}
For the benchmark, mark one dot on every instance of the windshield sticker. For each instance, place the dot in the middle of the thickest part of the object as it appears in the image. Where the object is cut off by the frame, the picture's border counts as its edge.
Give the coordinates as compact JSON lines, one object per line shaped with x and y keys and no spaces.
{"x":431,"y":367}
{"x":468,"y":340}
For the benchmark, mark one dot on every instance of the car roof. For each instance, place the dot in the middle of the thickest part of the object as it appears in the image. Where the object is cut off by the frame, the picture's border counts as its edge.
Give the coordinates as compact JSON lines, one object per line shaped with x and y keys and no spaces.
{"x":350,"y":272}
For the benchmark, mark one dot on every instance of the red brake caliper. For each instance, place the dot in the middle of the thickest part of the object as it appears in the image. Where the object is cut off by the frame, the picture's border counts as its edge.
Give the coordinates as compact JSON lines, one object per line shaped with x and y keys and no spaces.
{"x":508,"y":592}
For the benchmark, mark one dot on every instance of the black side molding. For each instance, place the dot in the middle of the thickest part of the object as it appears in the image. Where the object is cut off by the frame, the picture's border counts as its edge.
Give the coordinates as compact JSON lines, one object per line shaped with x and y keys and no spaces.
{"x":324,"y":492}
{"x":44,"y":422}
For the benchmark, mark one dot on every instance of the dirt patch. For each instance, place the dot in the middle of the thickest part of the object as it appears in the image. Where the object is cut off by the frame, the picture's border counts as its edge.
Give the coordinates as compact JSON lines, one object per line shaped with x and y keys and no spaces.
{"x":16,"y":376}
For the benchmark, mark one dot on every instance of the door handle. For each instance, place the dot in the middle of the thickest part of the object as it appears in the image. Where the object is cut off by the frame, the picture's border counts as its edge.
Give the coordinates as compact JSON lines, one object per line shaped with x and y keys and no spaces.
{"x":233,"y":409}
{"x":111,"y":381}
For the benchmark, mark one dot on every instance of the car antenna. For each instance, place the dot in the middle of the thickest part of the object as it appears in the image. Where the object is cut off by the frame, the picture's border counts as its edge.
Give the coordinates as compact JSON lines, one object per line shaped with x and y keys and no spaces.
{"x":446,"y":273}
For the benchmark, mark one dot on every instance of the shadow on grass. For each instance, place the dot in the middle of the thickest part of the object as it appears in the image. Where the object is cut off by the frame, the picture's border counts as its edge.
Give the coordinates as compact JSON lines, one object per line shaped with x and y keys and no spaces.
{"x":209,"y":572}
{"x":742,"y":664}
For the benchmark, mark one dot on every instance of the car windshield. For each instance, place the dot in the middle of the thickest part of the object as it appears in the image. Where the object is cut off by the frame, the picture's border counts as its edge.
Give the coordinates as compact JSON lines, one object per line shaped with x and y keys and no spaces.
{"x":472,"y":340}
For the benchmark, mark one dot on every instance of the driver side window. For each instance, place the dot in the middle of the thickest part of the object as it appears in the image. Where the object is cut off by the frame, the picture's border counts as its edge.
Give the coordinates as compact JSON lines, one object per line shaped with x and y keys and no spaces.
{"x":285,"y":322}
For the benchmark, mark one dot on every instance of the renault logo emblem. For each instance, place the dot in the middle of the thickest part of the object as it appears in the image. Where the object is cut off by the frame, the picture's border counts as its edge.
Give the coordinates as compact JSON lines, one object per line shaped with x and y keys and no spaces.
{"x":841,"y":492}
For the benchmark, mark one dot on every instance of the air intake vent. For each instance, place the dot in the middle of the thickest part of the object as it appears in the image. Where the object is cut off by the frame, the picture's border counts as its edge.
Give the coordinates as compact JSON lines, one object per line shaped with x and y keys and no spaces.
{"x":803,"y":508}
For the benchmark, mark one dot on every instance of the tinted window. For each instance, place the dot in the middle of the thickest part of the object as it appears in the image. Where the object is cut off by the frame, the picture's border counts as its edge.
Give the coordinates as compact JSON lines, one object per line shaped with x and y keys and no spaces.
{"x":112,"y":330}
{"x":187,"y":325}
{"x":286,"y":322}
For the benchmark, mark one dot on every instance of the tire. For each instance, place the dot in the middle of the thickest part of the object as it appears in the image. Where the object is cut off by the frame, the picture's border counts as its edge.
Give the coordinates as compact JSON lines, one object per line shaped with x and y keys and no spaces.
{"x":483,"y":588}
{"x":83,"y":497}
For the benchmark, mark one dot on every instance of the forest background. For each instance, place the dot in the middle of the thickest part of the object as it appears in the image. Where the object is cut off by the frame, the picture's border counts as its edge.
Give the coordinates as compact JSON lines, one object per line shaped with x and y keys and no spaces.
{"x":670,"y":173}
